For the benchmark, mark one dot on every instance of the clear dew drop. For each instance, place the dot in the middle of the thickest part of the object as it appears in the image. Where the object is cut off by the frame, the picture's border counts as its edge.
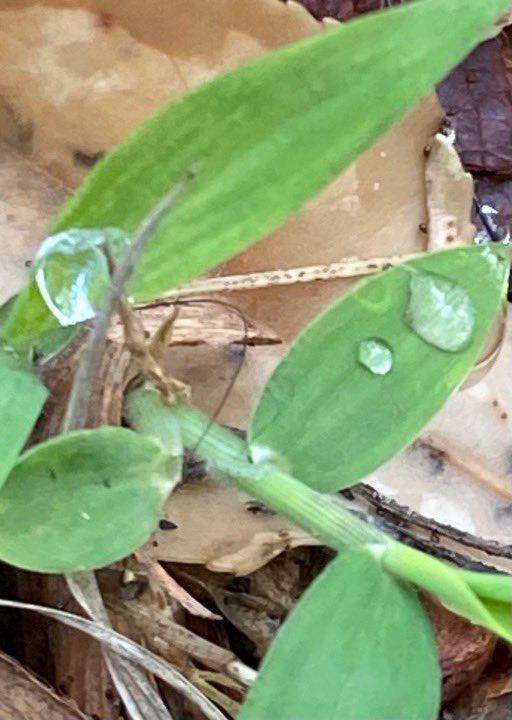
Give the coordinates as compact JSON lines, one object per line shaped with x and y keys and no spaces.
{"x":376,"y":356}
{"x":71,"y":271}
{"x":440,"y":312}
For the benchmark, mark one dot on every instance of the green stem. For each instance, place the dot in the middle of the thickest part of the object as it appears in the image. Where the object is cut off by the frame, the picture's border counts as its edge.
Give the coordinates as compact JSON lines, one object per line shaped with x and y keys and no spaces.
{"x":321,"y":515}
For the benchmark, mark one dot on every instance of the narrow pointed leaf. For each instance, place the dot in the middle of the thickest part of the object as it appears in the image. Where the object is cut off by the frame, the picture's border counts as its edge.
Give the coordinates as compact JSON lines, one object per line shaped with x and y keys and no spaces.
{"x":22,"y":396}
{"x":261,"y":139}
{"x":333,"y":419}
{"x":485,"y":600}
{"x":82,"y":500}
{"x":358,"y":646}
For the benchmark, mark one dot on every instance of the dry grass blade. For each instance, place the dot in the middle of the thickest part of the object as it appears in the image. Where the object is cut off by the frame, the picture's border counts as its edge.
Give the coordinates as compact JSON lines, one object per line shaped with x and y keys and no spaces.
{"x":139,"y":696}
{"x":130,"y":650}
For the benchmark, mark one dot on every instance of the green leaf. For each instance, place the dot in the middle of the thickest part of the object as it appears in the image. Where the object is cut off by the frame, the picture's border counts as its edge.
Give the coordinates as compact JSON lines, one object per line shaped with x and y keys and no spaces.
{"x":483,"y":598}
{"x":83,"y":500}
{"x":328,"y":415}
{"x":22,"y":396}
{"x":261,"y":138}
{"x":358,"y":646}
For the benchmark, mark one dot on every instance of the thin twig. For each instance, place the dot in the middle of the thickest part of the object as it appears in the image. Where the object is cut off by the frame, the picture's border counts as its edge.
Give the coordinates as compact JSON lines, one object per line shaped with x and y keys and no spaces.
{"x":346,"y":268}
{"x":78,"y":405}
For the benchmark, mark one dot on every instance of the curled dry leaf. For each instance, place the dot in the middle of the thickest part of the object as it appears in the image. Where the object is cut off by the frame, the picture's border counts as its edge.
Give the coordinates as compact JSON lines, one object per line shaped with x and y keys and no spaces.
{"x":450,"y":192}
{"x":24,"y":696}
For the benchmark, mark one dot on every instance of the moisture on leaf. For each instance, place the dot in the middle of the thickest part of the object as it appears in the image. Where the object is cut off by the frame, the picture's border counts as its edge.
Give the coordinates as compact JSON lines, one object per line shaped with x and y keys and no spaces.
{"x":440,"y":311}
{"x":72,"y":271}
{"x":375,"y":355}
{"x":320,"y":411}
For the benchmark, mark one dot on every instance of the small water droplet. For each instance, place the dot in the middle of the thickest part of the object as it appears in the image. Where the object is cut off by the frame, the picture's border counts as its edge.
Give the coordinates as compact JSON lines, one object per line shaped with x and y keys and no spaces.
{"x":440,"y":312}
{"x":72,"y":274}
{"x":376,"y":356}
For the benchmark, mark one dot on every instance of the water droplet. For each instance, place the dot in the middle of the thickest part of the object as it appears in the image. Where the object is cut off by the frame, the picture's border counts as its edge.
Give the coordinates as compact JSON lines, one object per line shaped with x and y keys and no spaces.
{"x":440,"y":312}
{"x":72,"y":274}
{"x":375,"y":355}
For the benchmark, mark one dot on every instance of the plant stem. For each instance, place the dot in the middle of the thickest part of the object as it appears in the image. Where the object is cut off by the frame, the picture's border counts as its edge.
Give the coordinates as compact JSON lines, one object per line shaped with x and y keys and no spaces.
{"x":321,"y":515}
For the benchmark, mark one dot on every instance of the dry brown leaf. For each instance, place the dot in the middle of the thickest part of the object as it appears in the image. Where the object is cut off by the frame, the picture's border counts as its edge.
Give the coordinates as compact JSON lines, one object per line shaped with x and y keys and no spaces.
{"x":76,"y":78}
{"x":489,"y":699}
{"x":450,"y":192}
{"x":218,"y":526}
{"x":28,"y":200}
{"x":23,"y":696}
{"x":460,"y":473}
{"x":262,"y":548}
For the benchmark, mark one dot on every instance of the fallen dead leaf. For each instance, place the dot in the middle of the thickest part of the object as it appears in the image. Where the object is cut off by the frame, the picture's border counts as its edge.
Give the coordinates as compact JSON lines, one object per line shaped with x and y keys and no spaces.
{"x":29,"y":198}
{"x":460,"y":471}
{"x":450,"y":192}
{"x":478,"y":101}
{"x":218,"y":526}
{"x":490,"y":699}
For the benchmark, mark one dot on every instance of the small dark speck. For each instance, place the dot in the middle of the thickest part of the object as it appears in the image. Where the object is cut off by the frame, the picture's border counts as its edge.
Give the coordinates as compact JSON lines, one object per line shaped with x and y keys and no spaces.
{"x":471,"y":78}
{"x":504,"y":416}
{"x":257,"y":508}
{"x":87,"y":159}
{"x":109,"y":694}
{"x":107,"y":482}
{"x":495,"y":403}
{"x":167,"y":524}
{"x":53,"y":474}
{"x":28,"y":263}
{"x":154,"y":543}
{"x":423,"y":228}
{"x":437,"y":462}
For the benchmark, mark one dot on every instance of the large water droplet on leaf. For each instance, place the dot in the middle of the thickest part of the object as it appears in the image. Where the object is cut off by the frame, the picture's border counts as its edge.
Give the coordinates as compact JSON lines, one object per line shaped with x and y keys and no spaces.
{"x":440,"y":312}
{"x":72,"y":274}
{"x":375,"y":355}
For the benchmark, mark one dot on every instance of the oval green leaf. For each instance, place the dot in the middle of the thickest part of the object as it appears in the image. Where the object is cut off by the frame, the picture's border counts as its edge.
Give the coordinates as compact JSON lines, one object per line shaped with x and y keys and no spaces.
{"x":358,"y":646}
{"x":82,"y":500}
{"x":261,"y":139}
{"x":328,"y":416}
{"x":22,"y":396}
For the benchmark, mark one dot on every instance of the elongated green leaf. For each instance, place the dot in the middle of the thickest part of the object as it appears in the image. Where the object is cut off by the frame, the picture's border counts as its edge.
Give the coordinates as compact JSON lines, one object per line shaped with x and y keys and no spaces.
{"x":82,"y":500}
{"x":358,"y":646}
{"x":331,"y":417}
{"x":22,"y":397}
{"x":261,"y":138}
{"x":483,"y":598}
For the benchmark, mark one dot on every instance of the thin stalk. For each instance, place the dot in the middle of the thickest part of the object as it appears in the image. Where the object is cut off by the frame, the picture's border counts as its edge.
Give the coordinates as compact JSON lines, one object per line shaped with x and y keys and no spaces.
{"x":323,"y":516}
